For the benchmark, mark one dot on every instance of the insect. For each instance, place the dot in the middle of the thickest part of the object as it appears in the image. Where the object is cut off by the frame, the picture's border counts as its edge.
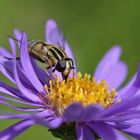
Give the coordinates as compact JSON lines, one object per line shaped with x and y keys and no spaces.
{"x":53,"y":55}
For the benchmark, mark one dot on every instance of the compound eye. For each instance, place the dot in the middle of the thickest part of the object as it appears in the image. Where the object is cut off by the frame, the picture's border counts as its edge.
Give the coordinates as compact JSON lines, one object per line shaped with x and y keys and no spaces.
{"x":61,"y":65}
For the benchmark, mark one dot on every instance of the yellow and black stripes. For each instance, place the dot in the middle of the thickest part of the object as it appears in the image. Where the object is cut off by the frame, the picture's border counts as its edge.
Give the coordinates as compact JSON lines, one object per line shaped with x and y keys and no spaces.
{"x":57,"y":53}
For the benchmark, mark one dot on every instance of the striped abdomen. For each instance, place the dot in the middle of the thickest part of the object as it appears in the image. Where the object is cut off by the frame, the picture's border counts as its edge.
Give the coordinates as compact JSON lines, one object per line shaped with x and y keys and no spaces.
{"x":55,"y":54}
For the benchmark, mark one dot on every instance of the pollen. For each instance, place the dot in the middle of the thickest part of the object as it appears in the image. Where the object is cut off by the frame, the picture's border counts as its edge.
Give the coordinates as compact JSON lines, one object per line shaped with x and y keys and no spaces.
{"x":82,"y":89}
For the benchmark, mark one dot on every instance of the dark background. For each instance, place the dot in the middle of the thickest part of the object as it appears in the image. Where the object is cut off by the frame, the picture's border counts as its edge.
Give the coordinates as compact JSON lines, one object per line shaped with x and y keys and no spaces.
{"x":91,"y":28}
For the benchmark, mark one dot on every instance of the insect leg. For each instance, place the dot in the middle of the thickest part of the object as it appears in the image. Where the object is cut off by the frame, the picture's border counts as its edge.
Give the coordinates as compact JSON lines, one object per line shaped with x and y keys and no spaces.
{"x":53,"y":70}
{"x":65,"y":77}
{"x":17,"y":58}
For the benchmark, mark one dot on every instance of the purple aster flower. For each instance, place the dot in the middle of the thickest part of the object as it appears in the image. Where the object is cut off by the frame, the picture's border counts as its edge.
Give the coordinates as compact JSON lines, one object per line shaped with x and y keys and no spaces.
{"x":82,"y":108}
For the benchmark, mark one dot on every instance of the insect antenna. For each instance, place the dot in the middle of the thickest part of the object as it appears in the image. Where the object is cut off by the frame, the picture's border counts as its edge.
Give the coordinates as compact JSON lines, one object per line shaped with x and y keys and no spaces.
{"x":12,"y":38}
{"x":17,"y":58}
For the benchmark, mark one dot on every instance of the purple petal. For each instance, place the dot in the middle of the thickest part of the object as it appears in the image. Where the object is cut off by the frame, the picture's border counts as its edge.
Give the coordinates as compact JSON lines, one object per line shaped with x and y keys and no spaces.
{"x":6,"y":89}
{"x":53,"y":123}
{"x":20,"y":108}
{"x":122,"y":117}
{"x":90,"y":112}
{"x":53,"y":34}
{"x":43,"y":76}
{"x":76,"y":112}
{"x":56,"y":37}
{"x":132,"y":130}
{"x":131,"y":102}
{"x":6,"y":73}
{"x":73,"y":112}
{"x":15,"y":130}
{"x":27,"y":66}
{"x":127,"y":117}
{"x":111,"y":57}
{"x":3,"y":59}
{"x":29,"y":94}
{"x":133,"y":87}
{"x":121,"y":107}
{"x":5,"y":53}
{"x":106,"y":132}
{"x":15,"y":116}
{"x":117,"y":75}
{"x":48,"y":119}
{"x":44,"y":114}
{"x":122,"y":91}
{"x":137,"y":80}
{"x":111,"y":68}
{"x":19,"y":101}
{"x":18,"y":36}
{"x":13,"y":92}
{"x":9,"y":73}
{"x":84,"y":133}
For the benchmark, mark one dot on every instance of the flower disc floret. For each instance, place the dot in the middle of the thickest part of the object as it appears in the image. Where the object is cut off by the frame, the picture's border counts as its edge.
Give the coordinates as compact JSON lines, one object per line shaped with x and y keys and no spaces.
{"x":81,"y":89}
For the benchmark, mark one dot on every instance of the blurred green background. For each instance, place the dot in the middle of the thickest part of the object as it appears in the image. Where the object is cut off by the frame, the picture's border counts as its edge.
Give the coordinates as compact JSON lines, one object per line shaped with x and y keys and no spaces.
{"x":91,"y":28}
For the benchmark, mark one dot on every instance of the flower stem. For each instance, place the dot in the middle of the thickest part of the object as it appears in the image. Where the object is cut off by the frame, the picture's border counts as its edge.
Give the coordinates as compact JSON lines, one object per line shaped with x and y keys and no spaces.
{"x":65,"y":132}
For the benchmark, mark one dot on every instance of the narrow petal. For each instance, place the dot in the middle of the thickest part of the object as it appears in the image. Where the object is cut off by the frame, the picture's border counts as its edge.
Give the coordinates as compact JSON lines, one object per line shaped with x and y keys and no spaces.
{"x":106,"y":132}
{"x":55,"y":36}
{"x":42,"y":75}
{"x":19,"y":101}
{"x":27,"y":66}
{"x":6,"y":89}
{"x":3,"y":59}
{"x":76,"y":112}
{"x":131,"y":102}
{"x":119,"y":69}
{"x":111,"y":57}
{"x":5,"y":53}
{"x":132,"y":89}
{"x":6,"y":73}
{"x":122,"y":117}
{"x":15,"y":116}
{"x":137,"y":80}
{"x":15,"y":130}
{"x":53,"y":123}
{"x":20,"y":108}
{"x":73,"y":112}
{"x":91,"y":112}
{"x":122,"y":91}
{"x":48,"y":119}
{"x":18,"y":36}
{"x":20,"y":86}
{"x":131,"y":129}
{"x":120,"y":107}
{"x":84,"y":133}
{"x":111,"y":69}
{"x":6,"y":70}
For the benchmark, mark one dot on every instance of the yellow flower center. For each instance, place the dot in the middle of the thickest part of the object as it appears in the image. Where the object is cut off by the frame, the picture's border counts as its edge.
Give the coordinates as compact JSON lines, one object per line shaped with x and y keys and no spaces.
{"x":81,"y":89}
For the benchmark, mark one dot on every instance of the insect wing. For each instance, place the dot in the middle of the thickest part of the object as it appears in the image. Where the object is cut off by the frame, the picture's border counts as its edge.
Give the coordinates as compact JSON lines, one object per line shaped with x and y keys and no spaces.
{"x":56,"y":37}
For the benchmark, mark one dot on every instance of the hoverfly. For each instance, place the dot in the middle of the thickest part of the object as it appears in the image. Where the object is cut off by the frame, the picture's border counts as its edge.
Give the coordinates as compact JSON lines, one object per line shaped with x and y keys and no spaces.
{"x":53,"y":55}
